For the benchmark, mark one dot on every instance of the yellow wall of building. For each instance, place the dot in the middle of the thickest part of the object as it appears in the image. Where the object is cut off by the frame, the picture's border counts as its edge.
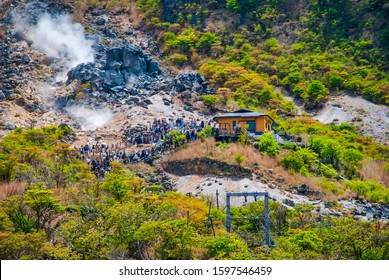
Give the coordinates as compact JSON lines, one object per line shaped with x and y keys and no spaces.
{"x":260,"y":123}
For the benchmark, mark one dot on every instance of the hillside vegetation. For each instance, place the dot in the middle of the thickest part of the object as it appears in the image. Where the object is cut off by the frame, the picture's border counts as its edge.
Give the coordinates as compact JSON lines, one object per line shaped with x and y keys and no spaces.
{"x":254,"y":53}
{"x":53,"y":207}
{"x":248,"y":48}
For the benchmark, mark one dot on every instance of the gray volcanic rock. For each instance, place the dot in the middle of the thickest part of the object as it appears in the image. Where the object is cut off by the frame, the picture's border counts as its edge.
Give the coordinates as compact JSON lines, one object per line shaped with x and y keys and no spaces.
{"x":122,"y":64}
{"x":9,"y":126}
{"x":2,"y":95}
{"x":190,"y":82}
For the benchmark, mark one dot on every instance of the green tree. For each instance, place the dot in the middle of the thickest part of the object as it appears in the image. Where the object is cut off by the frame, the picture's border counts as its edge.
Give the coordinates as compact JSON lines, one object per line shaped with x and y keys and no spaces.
{"x":268,"y":144}
{"x":27,"y":246}
{"x":205,"y":133}
{"x":308,"y":240}
{"x":300,"y":160}
{"x":206,"y":41}
{"x":44,"y":206}
{"x":8,"y":165}
{"x":16,"y":209}
{"x":166,"y":240}
{"x":302,"y":215}
{"x":351,"y":160}
{"x":328,"y":150}
{"x":227,"y":247}
{"x":316,"y":91}
{"x":233,"y":6}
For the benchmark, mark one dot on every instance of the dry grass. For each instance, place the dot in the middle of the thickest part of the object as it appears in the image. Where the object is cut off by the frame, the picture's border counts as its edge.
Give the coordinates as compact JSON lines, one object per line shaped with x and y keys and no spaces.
{"x":258,"y":162}
{"x":10,"y":189}
{"x":296,"y":179}
{"x":375,"y":170}
{"x":196,"y":149}
{"x":209,"y":148}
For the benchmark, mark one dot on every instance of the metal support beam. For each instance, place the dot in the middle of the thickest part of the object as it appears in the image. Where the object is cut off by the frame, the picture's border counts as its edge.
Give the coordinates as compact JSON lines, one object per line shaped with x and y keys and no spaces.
{"x":267,"y":221}
{"x":228,"y":219}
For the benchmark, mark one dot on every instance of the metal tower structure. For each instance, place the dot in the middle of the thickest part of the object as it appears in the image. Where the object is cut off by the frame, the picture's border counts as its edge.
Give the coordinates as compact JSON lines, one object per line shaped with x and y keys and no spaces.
{"x":255,"y":195}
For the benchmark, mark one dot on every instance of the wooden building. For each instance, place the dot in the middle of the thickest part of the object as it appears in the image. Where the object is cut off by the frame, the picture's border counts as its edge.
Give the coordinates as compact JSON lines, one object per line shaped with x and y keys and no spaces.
{"x":234,"y":123}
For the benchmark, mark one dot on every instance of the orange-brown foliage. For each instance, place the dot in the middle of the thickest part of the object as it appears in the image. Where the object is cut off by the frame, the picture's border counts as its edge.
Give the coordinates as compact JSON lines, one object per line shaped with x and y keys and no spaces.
{"x":12,"y":188}
{"x":375,"y":170}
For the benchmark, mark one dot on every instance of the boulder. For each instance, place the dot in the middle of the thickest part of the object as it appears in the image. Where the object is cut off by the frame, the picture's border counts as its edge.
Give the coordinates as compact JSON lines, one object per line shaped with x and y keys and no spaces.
{"x":189,"y":81}
{"x":186,"y":94}
{"x":133,"y":60}
{"x":113,"y":78}
{"x":109,"y":33}
{"x":31,"y":107}
{"x":303,"y":189}
{"x":143,"y":104}
{"x":26,"y":59}
{"x":134,"y":100}
{"x":100,"y":21}
{"x":153,"y":67}
{"x":288,"y":202}
{"x":188,"y":108}
{"x":9,"y":125}
{"x":280,"y":179}
{"x":64,"y":101}
{"x":148,"y":101}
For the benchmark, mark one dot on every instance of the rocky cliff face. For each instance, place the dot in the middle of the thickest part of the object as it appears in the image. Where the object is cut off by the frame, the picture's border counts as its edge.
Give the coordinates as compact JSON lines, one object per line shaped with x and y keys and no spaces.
{"x":123,"y":73}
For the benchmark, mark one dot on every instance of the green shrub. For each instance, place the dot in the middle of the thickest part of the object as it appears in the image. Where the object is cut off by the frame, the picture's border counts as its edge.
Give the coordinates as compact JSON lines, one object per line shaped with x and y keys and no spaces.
{"x":178,"y":59}
{"x":268,"y":144}
{"x":308,"y":240}
{"x":210,"y":100}
{"x":300,"y":160}
{"x":239,"y":158}
{"x":206,"y":41}
{"x":335,"y":81}
{"x":351,"y":159}
{"x":151,"y":6}
{"x":317,"y":91}
{"x":372,"y":190}
{"x":233,"y":6}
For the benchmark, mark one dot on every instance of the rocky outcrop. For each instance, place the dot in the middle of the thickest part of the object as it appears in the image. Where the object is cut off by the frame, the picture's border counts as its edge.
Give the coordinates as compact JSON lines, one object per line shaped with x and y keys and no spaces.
{"x":190,"y":82}
{"x":120,"y":65}
{"x":130,"y":59}
{"x":128,"y":75}
{"x":205,"y":166}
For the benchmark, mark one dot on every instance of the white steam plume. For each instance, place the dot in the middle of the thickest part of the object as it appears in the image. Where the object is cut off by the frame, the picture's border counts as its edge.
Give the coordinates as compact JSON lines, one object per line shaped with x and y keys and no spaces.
{"x":57,"y":36}
{"x":90,"y":119}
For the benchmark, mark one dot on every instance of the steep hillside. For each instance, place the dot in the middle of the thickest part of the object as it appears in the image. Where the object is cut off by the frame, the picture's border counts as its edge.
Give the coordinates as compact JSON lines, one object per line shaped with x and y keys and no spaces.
{"x":107,"y":147}
{"x":311,"y":49}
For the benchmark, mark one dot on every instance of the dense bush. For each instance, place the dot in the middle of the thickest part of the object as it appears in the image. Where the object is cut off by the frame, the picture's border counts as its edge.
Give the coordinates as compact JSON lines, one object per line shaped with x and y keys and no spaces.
{"x":370,"y":190}
{"x":301,"y":160}
{"x":268,"y":144}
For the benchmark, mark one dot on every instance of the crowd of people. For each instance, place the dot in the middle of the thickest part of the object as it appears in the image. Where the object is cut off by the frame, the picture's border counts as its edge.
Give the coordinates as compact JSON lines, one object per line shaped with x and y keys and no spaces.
{"x":138,"y":144}
{"x":159,"y":130}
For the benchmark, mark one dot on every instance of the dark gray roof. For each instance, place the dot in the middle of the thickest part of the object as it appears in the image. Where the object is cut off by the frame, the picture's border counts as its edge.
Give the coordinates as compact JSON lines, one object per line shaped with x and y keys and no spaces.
{"x":241,"y":114}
